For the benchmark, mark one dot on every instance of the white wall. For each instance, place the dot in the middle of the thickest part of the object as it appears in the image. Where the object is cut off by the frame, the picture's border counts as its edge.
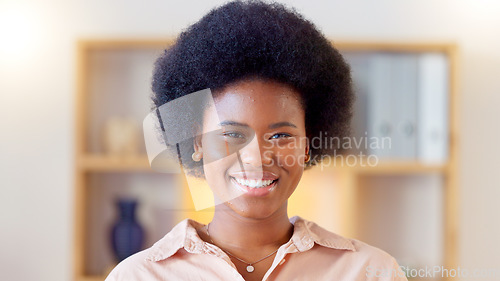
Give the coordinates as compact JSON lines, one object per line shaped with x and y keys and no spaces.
{"x":37,"y":83}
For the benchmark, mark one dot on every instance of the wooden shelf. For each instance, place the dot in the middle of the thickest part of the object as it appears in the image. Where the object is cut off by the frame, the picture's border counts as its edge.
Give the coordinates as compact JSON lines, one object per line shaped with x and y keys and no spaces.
{"x":397,"y":168}
{"x":384,"y":167}
{"x":337,"y":194}
{"x":113,"y":163}
{"x":105,"y":163}
{"x":91,"y":278}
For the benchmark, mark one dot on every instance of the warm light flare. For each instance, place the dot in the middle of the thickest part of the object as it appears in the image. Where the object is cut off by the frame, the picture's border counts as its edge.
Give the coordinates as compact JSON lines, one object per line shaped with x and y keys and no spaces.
{"x":18,"y":32}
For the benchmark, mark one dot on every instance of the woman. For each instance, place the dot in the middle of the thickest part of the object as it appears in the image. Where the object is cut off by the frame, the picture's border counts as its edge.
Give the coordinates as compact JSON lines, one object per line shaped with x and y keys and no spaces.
{"x":276,"y":83}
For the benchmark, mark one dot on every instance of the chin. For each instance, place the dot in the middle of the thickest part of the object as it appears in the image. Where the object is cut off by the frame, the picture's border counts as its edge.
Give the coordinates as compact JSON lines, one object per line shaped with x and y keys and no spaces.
{"x":254,"y":209}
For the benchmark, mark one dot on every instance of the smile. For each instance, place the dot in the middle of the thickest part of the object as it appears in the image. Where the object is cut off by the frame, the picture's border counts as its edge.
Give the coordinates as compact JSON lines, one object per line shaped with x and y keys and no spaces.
{"x":254,"y":187}
{"x":254,"y":183}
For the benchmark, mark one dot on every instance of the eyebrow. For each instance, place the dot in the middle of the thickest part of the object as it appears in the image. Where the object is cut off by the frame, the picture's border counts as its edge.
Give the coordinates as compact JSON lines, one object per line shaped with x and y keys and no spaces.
{"x":272,"y":126}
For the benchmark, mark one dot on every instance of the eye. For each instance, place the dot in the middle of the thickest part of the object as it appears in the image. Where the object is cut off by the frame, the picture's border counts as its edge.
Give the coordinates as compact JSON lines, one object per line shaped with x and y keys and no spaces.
{"x":235,"y":135}
{"x":281,"y":136}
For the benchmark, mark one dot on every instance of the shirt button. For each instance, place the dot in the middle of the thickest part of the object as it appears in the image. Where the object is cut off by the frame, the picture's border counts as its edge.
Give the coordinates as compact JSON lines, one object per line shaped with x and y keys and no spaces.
{"x":282,"y":262}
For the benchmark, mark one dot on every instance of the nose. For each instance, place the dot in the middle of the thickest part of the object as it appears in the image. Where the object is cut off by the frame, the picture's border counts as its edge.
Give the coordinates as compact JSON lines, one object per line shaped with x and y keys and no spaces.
{"x":255,"y":154}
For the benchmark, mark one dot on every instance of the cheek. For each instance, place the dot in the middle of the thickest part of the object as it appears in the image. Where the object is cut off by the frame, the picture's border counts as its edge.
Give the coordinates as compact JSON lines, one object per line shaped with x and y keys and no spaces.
{"x":216,"y":147}
{"x":215,"y":160}
{"x":217,"y":180}
{"x":291,"y":155}
{"x":214,"y":150}
{"x":290,"y":159}
{"x":218,"y":156}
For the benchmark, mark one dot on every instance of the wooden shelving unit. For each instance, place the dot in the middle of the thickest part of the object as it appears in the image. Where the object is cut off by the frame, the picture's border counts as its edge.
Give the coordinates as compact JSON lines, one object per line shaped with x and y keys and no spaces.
{"x":313,"y":198}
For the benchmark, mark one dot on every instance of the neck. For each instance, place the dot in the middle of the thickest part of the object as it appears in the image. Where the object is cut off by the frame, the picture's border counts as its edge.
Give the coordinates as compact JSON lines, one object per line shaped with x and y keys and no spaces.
{"x":247,"y":234}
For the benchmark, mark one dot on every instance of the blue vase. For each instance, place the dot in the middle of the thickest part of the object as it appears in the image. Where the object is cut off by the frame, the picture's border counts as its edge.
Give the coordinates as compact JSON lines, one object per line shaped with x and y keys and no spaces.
{"x":127,"y":235}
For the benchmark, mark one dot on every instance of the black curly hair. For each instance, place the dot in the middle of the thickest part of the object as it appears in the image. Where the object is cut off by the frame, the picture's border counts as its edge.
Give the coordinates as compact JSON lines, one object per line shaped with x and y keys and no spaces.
{"x":248,"y":39}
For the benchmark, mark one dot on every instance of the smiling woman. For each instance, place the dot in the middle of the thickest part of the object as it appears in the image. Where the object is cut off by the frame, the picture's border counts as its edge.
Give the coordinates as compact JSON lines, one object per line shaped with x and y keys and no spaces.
{"x":276,"y":83}
{"x":267,"y":116}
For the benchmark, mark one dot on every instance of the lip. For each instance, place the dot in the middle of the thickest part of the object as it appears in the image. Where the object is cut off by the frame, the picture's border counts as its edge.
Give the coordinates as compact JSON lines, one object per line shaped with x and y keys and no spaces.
{"x":257,"y":192}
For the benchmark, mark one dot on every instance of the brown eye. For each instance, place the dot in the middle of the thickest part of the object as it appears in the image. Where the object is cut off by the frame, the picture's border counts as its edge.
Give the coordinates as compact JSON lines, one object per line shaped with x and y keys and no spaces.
{"x":233,"y":135}
{"x":281,"y":136}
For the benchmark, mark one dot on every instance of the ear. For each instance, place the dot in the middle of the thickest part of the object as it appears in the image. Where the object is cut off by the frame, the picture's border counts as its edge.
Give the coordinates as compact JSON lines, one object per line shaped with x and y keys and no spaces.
{"x":307,"y":157}
{"x":198,"y":151}
{"x":197,"y":144}
{"x":307,"y":146}
{"x":196,"y":130}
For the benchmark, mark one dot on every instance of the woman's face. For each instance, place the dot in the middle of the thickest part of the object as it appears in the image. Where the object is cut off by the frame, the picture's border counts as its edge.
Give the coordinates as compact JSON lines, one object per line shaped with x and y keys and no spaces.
{"x":254,"y":145}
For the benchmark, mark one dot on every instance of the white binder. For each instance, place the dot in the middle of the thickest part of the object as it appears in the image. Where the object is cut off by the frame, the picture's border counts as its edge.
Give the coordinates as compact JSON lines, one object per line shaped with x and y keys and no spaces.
{"x":392,"y":115}
{"x":404,"y":106}
{"x":433,"y":108}
{"x":379,"y":117}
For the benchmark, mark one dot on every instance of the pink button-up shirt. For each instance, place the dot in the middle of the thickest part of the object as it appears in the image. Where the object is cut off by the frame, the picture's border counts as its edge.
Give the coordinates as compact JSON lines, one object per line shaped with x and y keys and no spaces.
{"x":312,"y":253}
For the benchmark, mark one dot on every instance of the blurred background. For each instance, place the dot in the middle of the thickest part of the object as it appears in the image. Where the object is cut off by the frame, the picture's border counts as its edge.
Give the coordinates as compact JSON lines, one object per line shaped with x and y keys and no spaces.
{"x":39,"y":142}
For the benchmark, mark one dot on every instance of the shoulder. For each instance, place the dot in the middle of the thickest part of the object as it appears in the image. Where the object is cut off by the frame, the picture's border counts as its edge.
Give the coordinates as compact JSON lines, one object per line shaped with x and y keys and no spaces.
{"x":350,"y":253}
{"x":132,"y":268}
{"x":372,"y":255}
{"x":376,"y":263}
{"x":309,"y":230}
{"x":144,"y":265}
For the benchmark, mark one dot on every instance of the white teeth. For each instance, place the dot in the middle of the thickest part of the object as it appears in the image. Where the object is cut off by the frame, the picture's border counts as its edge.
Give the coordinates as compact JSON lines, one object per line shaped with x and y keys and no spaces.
{"x":254,"y":183}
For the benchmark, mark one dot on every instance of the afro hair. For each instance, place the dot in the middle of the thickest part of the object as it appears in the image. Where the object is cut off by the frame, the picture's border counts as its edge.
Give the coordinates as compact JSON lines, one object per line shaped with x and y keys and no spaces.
{"x":245,"y":39}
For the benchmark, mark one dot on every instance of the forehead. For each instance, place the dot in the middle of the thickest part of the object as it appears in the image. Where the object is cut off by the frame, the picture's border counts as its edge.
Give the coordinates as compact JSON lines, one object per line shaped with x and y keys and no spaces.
{"x":258,"y":100}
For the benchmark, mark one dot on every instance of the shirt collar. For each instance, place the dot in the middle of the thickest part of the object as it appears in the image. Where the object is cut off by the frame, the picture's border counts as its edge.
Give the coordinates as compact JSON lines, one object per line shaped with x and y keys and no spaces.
{"x":184,"y":235}
{"x":307,"y":233}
